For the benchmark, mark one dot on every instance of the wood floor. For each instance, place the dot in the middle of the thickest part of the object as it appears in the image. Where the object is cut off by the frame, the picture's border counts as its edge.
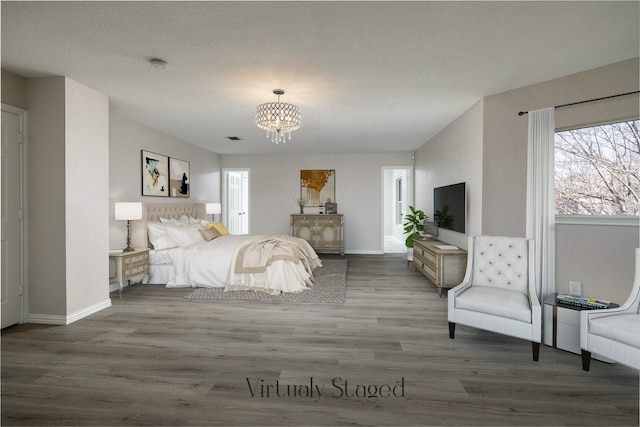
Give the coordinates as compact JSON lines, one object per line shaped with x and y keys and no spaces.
{"x":154,"y":358}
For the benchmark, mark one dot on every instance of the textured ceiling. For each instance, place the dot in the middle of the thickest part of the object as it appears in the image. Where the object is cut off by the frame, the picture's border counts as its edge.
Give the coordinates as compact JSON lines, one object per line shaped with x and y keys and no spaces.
{"x":368,"y":76}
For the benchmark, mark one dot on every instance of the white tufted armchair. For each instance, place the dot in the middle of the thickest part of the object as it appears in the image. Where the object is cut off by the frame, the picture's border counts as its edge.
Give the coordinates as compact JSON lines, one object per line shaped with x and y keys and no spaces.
{"x":615,"y":332}
{"x":498,"y":290}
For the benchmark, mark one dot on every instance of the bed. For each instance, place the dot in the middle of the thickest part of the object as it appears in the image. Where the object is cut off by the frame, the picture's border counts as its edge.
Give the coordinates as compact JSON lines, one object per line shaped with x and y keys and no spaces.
{"x":187,"y":251}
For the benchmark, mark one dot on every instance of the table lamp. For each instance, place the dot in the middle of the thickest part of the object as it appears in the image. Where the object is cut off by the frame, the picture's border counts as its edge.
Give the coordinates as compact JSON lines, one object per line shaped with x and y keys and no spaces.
{"x":127,"y":211}
{"x":213,"y":209}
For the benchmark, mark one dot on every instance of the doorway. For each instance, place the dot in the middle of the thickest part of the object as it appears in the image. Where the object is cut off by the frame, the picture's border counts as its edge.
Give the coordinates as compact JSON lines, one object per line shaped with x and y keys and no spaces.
{"x":12,"y":250}
{"x":397,"y":196}
{"x":235,"y":200}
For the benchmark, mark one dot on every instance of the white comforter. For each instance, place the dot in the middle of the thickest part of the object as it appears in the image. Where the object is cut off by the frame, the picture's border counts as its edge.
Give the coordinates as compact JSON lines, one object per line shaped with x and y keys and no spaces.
{"x":208,"y":264}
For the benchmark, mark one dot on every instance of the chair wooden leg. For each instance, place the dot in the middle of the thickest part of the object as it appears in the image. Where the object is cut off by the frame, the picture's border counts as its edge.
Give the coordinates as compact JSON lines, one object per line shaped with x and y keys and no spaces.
{"x":536,"y":350}
{"x":452,"y":330}
{"x":586,"y":360}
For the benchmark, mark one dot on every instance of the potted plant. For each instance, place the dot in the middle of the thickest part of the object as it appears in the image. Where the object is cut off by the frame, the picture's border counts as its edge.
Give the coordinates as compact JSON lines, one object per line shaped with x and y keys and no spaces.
{"x":300,"y":201}
{"x":413,"y":226}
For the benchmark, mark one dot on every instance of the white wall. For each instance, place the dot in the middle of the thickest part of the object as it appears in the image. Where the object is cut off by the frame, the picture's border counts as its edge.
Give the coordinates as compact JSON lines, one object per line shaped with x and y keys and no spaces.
{"x":275,"y":181}
{"x":454,"y":155}
{"x":127,"y":139}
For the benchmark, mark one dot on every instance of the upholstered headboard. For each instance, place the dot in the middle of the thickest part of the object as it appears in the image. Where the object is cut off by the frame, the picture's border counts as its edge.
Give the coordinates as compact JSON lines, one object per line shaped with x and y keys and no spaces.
{"x":152,"y":212}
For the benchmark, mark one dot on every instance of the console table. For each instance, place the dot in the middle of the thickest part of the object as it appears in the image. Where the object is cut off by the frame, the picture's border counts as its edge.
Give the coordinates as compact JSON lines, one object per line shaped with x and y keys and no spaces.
{"x":324,"y":232}
{"x":445,"y":268}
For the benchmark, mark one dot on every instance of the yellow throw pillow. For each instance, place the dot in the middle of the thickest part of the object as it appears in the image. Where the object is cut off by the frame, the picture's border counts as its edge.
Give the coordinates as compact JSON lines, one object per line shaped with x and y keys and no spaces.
{"x":218,"y":226}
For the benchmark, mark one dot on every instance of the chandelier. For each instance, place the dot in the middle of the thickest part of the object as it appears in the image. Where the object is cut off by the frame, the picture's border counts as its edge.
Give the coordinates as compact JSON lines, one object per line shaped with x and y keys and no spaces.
{"x":278,"y":118}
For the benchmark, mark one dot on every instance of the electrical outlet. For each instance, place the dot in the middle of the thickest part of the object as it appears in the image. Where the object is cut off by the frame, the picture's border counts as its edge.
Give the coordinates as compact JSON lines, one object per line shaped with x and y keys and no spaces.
{"x":575,"y":288}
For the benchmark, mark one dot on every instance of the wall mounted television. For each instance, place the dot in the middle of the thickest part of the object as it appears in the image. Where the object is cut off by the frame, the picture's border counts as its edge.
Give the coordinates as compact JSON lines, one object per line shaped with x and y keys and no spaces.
{"x":451,"y":202}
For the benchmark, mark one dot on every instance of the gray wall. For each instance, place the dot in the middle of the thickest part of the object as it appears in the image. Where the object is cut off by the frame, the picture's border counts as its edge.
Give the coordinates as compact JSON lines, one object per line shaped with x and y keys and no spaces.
{"x":14,"y":90}
{"x":454,"y":155}
{"x":275,"y":181}
{"x":504,"y":156}
{"x":127,"y":139}
{"x":46,"y":196}
{"x":67,"y":152}
{"x":487,"y":147}
{"x":599,"y":256}
{"x":602,"y":256}
{"x":73,"y":144}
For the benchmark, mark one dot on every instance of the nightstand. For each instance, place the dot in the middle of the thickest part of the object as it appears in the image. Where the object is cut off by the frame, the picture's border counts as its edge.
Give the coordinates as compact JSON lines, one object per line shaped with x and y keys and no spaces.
{"x":128,"y":265}
{"x":562,"y":326}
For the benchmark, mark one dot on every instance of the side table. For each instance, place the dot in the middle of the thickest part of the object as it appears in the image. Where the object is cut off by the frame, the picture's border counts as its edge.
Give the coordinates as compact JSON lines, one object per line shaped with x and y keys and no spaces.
{"x":562,"y":325}
{"x":128,"y":265}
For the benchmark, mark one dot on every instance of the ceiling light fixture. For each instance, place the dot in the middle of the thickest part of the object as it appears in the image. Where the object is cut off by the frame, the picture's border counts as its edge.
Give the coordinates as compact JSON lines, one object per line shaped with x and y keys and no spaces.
{"x":158,"y":64}
{"x":278,"y":118}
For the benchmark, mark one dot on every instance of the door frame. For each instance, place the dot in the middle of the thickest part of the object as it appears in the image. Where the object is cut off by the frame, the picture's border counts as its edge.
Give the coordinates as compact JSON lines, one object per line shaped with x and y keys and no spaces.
{"x":225,"y":195}
{"x":24,"y":250}
{"x":408,"y":199}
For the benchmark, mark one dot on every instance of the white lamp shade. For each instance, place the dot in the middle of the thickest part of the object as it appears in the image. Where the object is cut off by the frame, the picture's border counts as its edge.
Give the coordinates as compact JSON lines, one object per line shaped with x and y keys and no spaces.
{"x":128,"y":210}
{"x":213,"y":208}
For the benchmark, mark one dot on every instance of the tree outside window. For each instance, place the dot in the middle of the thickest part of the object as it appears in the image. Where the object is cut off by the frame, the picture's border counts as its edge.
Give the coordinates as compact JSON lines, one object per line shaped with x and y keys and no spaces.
{"x":597,"y":170}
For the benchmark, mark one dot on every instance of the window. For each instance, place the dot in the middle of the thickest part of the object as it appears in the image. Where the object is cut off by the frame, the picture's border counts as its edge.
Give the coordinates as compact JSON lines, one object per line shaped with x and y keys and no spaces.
{"x":597,"y":170}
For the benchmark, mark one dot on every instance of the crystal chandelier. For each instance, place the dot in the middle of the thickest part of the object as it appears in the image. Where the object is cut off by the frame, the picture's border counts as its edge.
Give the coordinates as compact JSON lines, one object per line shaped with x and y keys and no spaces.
{"x":278,"y":118}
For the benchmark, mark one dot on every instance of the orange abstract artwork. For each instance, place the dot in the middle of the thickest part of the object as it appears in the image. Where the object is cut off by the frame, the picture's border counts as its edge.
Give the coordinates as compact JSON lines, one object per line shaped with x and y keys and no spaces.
{"x":317,"y":186}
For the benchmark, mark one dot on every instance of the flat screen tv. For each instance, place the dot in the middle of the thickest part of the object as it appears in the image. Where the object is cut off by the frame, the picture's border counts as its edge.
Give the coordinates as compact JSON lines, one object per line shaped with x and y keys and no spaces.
{"x":450,"y":206}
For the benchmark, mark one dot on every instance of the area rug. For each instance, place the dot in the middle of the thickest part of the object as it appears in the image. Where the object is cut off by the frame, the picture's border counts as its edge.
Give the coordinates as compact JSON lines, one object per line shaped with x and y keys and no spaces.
{"x":329,"y":288}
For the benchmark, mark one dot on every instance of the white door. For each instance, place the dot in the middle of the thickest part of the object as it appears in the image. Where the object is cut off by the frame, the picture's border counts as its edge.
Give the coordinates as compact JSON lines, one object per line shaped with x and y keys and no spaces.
{"x":237,"y":206}
{"x":11,"y":247}
{"x":397,"y":196}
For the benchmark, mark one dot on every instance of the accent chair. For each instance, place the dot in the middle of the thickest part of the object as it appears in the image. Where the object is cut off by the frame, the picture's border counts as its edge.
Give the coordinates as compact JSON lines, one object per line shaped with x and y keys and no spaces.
{"x":498,"y":292}
{"x":614,"y":332}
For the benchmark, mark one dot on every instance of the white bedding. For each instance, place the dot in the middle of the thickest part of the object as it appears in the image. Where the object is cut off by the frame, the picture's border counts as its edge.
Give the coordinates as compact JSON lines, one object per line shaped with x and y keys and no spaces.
{"x":204,"y":264}
{"x":208,"y":264}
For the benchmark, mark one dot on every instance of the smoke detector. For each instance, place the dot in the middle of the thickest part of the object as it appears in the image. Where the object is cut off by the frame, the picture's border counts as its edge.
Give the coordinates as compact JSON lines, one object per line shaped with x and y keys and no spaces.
{"x":158,"y":64}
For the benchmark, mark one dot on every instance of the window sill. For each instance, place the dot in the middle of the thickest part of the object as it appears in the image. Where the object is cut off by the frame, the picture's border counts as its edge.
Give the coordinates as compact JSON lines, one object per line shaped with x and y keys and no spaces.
{"x":621,"y":221}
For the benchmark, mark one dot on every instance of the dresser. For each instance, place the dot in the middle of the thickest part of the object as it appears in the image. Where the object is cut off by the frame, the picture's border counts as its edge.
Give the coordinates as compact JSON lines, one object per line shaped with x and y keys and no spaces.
{"x":128,"y":265}
{"x":324,"y":232}
{"x":445,"y":268}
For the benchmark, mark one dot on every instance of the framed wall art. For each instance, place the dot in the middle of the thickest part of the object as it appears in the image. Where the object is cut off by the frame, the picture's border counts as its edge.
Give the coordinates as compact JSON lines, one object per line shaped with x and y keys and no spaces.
{"x":155,"y":174}
{"x":318,"y":186}
{"x":179,"y":178}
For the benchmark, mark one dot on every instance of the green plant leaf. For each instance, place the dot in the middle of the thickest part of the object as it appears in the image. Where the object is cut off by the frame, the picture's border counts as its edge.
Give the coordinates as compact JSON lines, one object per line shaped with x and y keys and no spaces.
{"x":413,"y":225}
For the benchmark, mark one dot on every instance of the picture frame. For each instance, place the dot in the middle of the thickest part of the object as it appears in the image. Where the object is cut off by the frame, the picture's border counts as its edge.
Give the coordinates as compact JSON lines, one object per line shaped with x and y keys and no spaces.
{"x":179,"y":178}
{"x":318,"y":186}
{"x":155,"y":174}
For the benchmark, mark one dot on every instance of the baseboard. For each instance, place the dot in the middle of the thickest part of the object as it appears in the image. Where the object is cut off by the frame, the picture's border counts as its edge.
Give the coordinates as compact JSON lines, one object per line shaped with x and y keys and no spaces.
{"x":364,"y":252}
{"x":62,"y":320}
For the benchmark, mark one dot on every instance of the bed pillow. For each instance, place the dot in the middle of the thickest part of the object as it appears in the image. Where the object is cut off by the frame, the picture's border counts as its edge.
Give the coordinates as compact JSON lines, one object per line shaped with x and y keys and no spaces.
{"x":159,"y":237}
{"x":195,"y":221}
{"x":218,"y":226}
{"x":209,"y":233}
{"x":185,"y":236}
